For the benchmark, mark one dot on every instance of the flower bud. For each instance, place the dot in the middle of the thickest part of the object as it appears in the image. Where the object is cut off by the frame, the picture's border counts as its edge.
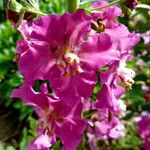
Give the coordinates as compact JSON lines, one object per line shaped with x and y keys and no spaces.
{"x":16,"y":12}
{"x":14,"y":6}
{"x":131,"y":3}
{"x":98,"y":26}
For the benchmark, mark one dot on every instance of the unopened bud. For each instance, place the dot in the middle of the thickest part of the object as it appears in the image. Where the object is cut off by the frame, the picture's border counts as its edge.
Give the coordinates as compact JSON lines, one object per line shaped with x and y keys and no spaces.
{"x":13,"y":5}
{"x":131,"y":3}
{"x":98,"y":26}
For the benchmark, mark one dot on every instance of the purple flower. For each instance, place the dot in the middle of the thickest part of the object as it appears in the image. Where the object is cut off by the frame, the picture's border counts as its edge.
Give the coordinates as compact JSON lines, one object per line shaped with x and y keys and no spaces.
{"x":69,"y":50}
{"x":117,"y":72}
{"x":105,"y":19}
{"x":42,"y":142}
{"x":106,"y":14}
{"x":122,"y":38}
{"x":106,"y":126}
{"x":111,"y":91}
{"x":58,"y":118}
{"x":131,"y":3}
{"x":23,"y":45}
{"x":103,"y":123}
{"x":145,"y":37}
{"x":62,"y":53}
{"x":143,"y":123}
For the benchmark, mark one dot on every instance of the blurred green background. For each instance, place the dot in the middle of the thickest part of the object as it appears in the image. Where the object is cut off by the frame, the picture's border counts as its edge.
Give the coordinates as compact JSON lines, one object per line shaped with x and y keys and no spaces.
{"x":17,"y":122}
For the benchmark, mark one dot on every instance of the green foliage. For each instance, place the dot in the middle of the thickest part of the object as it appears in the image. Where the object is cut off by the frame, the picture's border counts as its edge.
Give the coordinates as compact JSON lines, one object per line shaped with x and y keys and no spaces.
{"x":9,"y":76}
{"x":28,"y":133}
{"x":53,"y":6}
{"x":142,"y":20}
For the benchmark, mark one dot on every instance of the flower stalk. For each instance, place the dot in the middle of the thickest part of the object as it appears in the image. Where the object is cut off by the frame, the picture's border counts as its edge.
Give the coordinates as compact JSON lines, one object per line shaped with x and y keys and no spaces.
{"x":24,"y":6}
{"x":105,"y":6}
{"x":72,"y":5}
{"x":38,"y":12}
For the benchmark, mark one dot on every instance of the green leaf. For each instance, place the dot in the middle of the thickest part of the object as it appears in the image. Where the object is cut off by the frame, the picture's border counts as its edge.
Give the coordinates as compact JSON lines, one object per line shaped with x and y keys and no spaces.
{"x":4,"y":67}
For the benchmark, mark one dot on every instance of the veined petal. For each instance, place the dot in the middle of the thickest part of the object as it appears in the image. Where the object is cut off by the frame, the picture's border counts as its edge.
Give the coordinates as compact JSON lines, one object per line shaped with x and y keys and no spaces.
{"x":106,"y":98}
{"x":97,"y":52}
{"x":72,"y":131}
{"x":42,"y":142}
{"x":71,"y":86}
{"x":59,"y":30}
{"x":36,"y":62}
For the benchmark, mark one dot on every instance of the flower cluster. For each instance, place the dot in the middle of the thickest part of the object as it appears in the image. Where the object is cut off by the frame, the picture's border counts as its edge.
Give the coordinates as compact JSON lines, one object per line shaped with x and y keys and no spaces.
{"x":143,"y":123}
{"x":75,"y":53}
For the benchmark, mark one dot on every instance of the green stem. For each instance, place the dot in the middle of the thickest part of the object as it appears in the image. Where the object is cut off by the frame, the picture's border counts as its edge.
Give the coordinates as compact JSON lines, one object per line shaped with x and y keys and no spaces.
{"x":20,"y":18}
{"x":105,"y":6}
{"x":35,"y":12}
{"x":72,"y":5}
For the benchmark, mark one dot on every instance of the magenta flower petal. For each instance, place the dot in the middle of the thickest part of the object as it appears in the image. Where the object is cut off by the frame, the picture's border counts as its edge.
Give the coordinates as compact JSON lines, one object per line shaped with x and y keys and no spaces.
{"x":29,"y":96}
{"x":117,"y":131}
{"x":126,"y":40}
{"x":109,"y":13}
{"x":41,"y":63}
{"x":97,"y":51}
{"x":56,"y":30}
{"x":25,"y":28}
{"x":143,"y":124}
{"x":107,"y":99}
{"x":54,"y":42}
{"x":57,"y":117}
{"x":40,"y":143}
{"x":72,"y":130}
{"x":107,"y":126}
{"x":65,"y":87}
{"x":22,"y":46}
